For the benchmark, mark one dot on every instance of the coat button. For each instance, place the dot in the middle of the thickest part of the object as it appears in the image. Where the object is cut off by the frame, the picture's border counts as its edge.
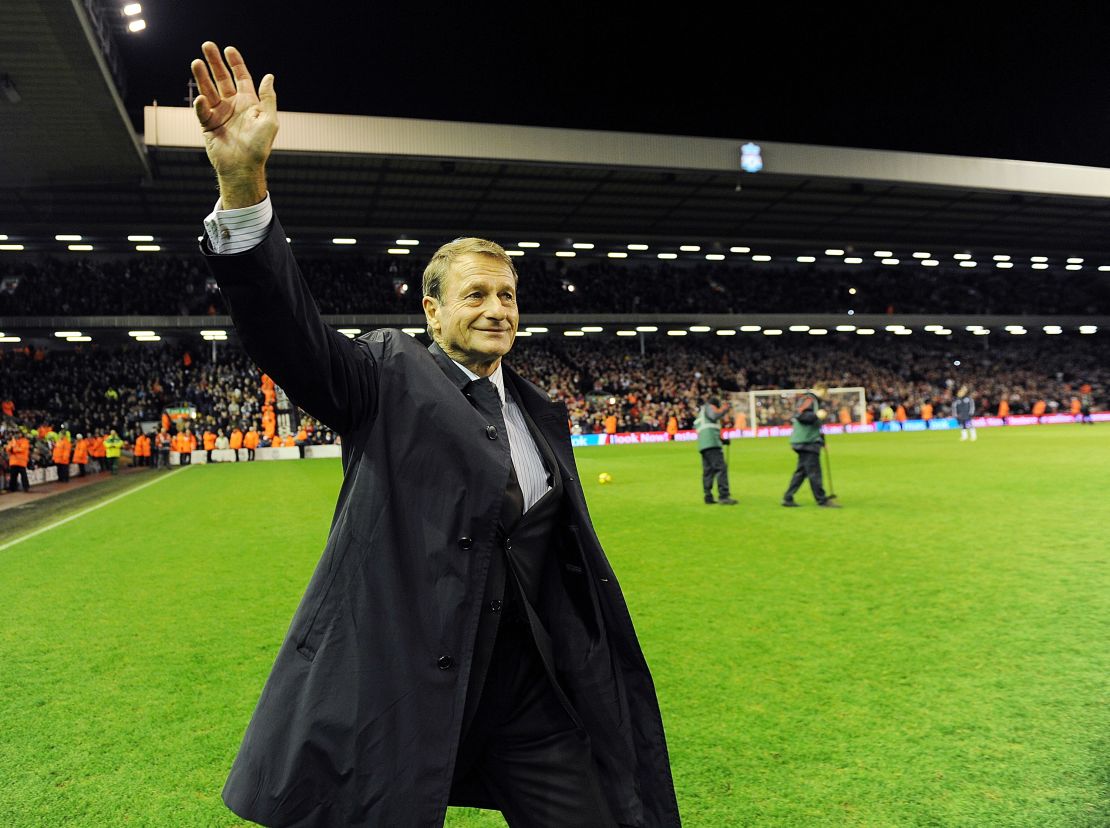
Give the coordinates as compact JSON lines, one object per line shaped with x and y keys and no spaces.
{"x":465,"y":543}
{"x":495,"y":606}
{"x":491,"y":432}
{"x":445,"y":662}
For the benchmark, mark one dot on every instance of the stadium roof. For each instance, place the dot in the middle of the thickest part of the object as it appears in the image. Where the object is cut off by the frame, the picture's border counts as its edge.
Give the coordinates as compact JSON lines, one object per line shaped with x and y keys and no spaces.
{"x":73,"y":164}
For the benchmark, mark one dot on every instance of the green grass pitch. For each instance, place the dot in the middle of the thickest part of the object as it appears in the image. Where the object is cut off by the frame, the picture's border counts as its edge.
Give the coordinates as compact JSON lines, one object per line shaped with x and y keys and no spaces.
{"x":936,"y":653}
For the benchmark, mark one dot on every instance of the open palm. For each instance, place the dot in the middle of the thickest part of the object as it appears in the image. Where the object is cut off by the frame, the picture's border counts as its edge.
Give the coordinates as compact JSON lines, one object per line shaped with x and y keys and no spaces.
{"x":239,"y":124}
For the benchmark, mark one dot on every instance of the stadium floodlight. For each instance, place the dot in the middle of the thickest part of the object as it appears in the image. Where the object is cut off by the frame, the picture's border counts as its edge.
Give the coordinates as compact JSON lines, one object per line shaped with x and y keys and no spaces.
{"x":883,"y":254}
{"x":1053,"y":333}
{"x":1104,"y":268}
{"x":536,"y":329}
{"x":1040,"y":266}
{"x":582,"y":246}
{"x":148,"y":248}
{"x":865,"y":331}
{"x":344,"y":240}
{"x":968,"y":263}
{"x":933,"y":327}
{"x":646,"y":328}
{"x":1038,"y":258}
{"x":412,"y":331}
{"x":818,"y":331}
{"x":152,"y":338}
{"x":626,"y":333}
{"x":1075,"y":260}
{"x":565,"y":254}
{"x":9,"y":339}
{"x":398,"y":251}
{"x":761,"y":258}
{"x":514,"y":252}
{"x":140,"y":333}
{"x":772,"y":332}
{"x":921,"y":255}
{"x":1088,"y":329}
{"x":980,"y":332}
{"x":715,"y":257}
{"x":851,"y":291}
{"x":890,"y":261}
{"x":132,"y":9}
{"x":66,"y":334}
{"x":80,"y":248}
{"x":833,"y":251}
{"x":845,"y":328}
{"x":700,"y":329}
{"x":944,"y":332}
{"x":1048,"y":328}
{"x":1004,"y":265}
{"x":731,"y":332}
{"x":751,"y":328}
{"x":1015,"y":327}
{"x":960,"y":257}
{"x":1018,"y":332}
{"x":67,"y":237}
{"x":78,"y":339}
{"x":213,"y":332}
{"x":14,"y":247}
{"x":136,"y":25}
{"x":617,"y":254}
{"x":853,"y":260}
{"x":638,"y":247}
{"x":807,"y":259}
{"x":973,"y":328}
{"x":1073,"y":267}
{"x":407,"y":242}
{"x":739,"y":250}
{"x":3,"y":237}
{"x":140,"y":238}
{"x":667,"y":255}
{"x":1001,"y":258}
{"x":573,"y":333}
{"x":677,"y":333}
{"x":895,"y":327}
{"x":903,"y":332}
{"x":690,"y":248}
{"x":929,"y":262}
{"x":798,"y":328}
{"x":591,"y":329}
{"x":527,"y":244}
{"x":523,"y":333}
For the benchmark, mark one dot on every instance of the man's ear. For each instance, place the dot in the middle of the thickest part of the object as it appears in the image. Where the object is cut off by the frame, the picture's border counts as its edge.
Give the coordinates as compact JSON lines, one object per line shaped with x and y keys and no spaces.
{"x":431,"y":309}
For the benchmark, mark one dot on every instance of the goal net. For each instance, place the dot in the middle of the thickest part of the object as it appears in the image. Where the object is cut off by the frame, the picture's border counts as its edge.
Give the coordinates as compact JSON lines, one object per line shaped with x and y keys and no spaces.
{"x":756,"y":409}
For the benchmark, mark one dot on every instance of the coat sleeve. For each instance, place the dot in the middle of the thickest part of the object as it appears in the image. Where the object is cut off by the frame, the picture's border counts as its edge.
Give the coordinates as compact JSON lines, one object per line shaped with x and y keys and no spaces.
{"x":330,"y":376}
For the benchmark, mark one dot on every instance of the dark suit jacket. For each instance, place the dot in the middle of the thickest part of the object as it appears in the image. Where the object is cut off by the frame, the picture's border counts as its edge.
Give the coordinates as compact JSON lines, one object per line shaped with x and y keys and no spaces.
{"x":359,"y":722}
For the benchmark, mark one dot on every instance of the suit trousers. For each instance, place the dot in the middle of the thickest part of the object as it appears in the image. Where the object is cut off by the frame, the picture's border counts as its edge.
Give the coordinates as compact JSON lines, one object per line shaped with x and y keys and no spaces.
{"x":809,"y":467}
{"x":531,"y":757}
{"x":713,"y":466}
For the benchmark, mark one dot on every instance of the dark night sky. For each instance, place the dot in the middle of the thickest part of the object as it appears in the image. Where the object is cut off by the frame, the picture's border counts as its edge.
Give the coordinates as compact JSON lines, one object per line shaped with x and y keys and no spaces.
{"x":927,"y":78}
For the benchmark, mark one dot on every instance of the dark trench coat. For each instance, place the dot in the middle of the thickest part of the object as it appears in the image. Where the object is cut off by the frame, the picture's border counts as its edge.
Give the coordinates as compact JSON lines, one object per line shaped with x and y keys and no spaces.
{"x":359,"y":722}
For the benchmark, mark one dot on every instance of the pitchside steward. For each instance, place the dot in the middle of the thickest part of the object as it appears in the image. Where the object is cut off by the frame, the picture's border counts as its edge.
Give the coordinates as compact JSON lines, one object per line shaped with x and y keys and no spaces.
{"x":463,"y":639}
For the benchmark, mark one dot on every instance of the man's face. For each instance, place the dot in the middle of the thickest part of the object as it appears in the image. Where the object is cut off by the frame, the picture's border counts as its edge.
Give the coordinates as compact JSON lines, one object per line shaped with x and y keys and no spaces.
{"x":475,"y":321}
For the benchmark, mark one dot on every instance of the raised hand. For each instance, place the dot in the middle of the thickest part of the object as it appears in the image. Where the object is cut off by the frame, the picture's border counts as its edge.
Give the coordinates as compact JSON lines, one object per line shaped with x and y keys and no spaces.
{"x":239,"y":124}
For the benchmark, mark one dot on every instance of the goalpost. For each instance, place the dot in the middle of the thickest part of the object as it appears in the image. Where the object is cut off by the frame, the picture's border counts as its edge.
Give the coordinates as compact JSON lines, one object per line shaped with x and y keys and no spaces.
{"x":776,"y":407}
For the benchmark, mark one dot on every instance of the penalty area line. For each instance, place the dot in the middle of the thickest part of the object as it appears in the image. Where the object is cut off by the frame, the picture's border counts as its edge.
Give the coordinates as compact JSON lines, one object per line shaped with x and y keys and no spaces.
{"x":84,"y":512}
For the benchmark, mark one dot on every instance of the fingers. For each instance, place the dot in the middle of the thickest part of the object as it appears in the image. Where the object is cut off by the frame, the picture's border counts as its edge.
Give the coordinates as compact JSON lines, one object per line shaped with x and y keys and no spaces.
{"x":243,"y":81}
{"x":266,"y":95}
{"x":205,"y":87}
{"x":218,"y":68}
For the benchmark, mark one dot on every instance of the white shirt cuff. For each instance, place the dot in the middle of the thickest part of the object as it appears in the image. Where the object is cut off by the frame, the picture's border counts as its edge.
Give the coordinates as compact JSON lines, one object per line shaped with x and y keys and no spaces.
{"x":239,"y":230}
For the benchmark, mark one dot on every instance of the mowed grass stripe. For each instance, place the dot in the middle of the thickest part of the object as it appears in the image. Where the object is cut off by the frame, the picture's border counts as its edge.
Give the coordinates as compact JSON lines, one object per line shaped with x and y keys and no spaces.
{"x":934,"y":653}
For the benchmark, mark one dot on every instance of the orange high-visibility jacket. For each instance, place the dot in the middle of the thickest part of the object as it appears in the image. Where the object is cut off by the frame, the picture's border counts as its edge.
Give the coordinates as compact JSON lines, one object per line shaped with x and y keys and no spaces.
{"x":81,"y":451}
{"x":301,"y":435}
{"x":250,"y":439}
{"x":19,"y":452}
{"x":96,"y":448}
{"x":209,"y":441}
{"x":1004,"y":409}
{"x":190,"y":441}
{"x":287,"y":441}
{"x":62,"y":451}
{"x":235,"y":441}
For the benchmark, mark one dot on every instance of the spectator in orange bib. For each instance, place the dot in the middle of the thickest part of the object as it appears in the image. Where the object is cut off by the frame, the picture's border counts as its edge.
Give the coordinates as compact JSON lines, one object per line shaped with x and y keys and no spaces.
{"x":1004,"y":408}
{"x":209,"y":444}
{"x":927,"y":410}
{"x":81,"y":454}
{"x":163,"y":442}
{"x":96,"y":452}
{"x":672,"y":426}
{"x":19,"y":455}
{"x":900,"y":413}
{"x":62,"y":451}
{"x":1039,"y":408}
{"x":250,"y":442}
{"x":235,"y":442}
{"x":611,"y":424}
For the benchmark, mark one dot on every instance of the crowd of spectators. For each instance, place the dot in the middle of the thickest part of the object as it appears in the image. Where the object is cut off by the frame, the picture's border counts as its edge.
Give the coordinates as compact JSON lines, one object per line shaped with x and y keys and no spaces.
{"x":180,"y":286}
{"x":607,"y":383}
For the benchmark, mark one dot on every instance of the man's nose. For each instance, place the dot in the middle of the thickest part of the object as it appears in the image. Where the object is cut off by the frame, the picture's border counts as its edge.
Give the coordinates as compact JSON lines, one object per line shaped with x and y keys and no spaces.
{"x":494,"y":308}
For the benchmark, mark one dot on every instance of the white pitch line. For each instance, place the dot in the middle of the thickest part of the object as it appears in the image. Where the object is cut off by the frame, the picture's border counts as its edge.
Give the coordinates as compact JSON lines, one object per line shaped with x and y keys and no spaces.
{"x":58,"y":523}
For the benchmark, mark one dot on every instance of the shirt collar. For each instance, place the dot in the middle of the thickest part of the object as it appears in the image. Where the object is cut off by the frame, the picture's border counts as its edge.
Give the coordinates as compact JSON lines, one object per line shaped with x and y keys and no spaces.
{"x":497,"y":378}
